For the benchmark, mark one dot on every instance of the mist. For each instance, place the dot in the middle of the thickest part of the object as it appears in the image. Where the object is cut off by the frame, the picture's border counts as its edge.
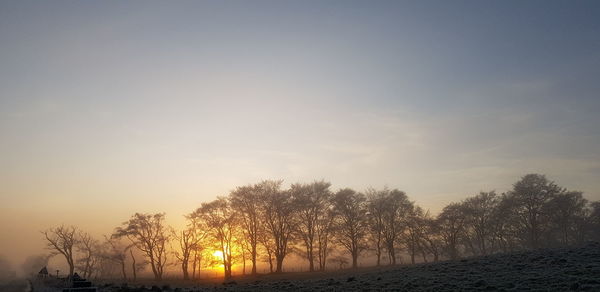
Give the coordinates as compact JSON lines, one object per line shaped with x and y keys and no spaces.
{"x":322,"y":140}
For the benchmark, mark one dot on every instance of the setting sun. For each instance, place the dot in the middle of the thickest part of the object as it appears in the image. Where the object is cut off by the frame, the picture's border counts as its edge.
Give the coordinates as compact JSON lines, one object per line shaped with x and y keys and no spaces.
{"x":299,"y":145}
{"x":218,"y":254}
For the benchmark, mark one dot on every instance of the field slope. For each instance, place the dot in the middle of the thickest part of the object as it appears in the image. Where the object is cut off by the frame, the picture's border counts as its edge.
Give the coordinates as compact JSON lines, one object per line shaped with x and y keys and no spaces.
{"x":561,"y":269}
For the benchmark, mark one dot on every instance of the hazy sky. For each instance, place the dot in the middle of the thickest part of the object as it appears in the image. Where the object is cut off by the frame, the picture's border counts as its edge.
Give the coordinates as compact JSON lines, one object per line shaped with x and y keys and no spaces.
{"x":113,"y":107}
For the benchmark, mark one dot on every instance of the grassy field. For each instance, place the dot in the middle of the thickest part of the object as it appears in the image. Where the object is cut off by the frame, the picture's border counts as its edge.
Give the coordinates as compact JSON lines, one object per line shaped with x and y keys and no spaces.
{"x":561,"y":269}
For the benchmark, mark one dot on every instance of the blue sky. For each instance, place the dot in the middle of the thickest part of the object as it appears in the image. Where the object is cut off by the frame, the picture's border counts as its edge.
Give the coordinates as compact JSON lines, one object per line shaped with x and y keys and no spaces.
{"x":158,"y":106}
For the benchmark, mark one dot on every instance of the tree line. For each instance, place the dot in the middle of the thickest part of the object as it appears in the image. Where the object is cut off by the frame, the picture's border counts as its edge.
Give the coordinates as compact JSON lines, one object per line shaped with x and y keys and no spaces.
{"x":264,"y":223}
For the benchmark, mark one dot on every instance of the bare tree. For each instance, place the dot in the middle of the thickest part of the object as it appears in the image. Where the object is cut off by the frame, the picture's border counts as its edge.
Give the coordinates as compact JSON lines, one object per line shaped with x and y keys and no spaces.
{"x":323,"y":231}
{"x":188,"y":241}
{"x":414,"y":232}
{"x":245,"y":200}
{"x":242,"y":247}
{"x":351,"y":221}
{"x":278,"y":217}
{"x":594,"y":220}
{"x":220,"y":220}
{"x":88,"y":247}
{"x":197,"y":243}
{"x":531,"y":193}
{"x":394,"y":220}
{"x":148,"y":233}
{"x":431,"y":238}
{"x":62,"y":240}
{"x":117,"y":253}
{"x":565,"y":211}
{"x":451,"y":223}
{"x":268,"y":246}
{"x":135,"y":265}
{"x":479,"y":211}
{"x":376,"y":205}
{"x":312,"y":202}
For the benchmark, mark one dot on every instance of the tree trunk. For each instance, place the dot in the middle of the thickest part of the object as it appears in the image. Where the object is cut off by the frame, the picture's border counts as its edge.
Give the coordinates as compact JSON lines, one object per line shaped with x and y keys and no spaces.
{"x":184,"y":268}
{"x":392,"y":253}
{"x":243,"y":263}
{"x":279,"y":259}
{"x":253,"y":259}
{"x":311,"y":264}
{"x":71,"y":268}
{"x":194,"y":263}
{"x":133,"y":265}
{"x":412,"y":253}
{"x":123,"y":270}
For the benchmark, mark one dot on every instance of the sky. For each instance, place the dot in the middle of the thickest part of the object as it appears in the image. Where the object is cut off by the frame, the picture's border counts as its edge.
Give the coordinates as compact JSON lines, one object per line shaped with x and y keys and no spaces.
{"x":108,"y":108}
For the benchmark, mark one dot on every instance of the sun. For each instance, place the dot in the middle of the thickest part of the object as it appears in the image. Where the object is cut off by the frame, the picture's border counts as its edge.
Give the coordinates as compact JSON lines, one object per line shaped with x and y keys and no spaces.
{"x":218,"y":254}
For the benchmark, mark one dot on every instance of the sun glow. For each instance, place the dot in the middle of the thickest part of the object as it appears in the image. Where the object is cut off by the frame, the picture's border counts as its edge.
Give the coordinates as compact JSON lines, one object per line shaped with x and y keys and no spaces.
{"x":218,"y":260}
{"x":218,"y":254}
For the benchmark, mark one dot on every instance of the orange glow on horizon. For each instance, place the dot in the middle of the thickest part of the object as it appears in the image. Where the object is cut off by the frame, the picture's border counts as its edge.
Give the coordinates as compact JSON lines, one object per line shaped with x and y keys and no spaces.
{"x":219,"y":255}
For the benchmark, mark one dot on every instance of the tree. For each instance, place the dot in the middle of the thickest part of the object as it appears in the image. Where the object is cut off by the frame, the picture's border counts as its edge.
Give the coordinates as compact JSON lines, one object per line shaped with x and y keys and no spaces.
{"x":61,"y":240}
{"x":312,"y":202}
{"x":531,"y":193}
{"x":479,"y":211}
{"x":245,"y":200}
{"x":414,"y":232}
{"x":594,"y":220}
{"x":241,"y":242}
{"x":135,"y":265}
{"x":196,"y":244}
{"x":278,"y":217}
{"x":269,"y":247}
{"x":505,"y":224}
{"x":566,"y":211}
{"x":451,"y":223}
{"x":148,"y":233}
{"x":431,"y":236}
{"x":88,"y":247}
{"x":323,"y":231}
{"x":188,"y":241}
{"x":117,"y":253}
{"x":350,"y":224}
{"x":376,"y":205}
{"x":220,"y":221}
{"x":394,"y":213}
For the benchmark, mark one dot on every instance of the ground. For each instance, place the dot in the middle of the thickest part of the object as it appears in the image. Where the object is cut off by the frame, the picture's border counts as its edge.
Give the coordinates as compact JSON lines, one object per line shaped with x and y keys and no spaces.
{"x":561,"y":269}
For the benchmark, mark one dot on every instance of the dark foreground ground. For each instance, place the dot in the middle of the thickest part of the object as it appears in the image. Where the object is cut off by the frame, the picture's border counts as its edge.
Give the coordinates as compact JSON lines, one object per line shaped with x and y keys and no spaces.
{"x":565,"y":269}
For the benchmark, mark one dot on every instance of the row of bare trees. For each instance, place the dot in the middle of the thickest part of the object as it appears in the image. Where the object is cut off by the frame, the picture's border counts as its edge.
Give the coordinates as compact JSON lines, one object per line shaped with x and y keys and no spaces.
{"x":263,"y":222}
{"x":92,"y":257}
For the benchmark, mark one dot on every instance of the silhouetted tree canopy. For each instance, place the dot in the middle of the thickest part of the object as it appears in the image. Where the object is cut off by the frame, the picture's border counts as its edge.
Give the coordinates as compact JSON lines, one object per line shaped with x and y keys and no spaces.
{"x":264,"y":222}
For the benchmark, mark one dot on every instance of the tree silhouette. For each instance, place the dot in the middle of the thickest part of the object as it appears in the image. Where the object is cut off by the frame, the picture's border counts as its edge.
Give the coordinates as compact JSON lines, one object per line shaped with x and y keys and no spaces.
{"x":531,"y":193}
{"x":396,"y":208}
{"x":62,"y":240}
{"x":377,"y":201}
{"x":479,"y":212}
{"x":148,"y":233}
{"x":87,"y":246}
{"x":278,"y":217}
{"x":350,"y":224}
{"x":245,"y":200}
{"x":566,"y":212}
{"x":221,"y":222}
{"x":311,"y":202}
{"x":451,"y":222}
{"x":263,"y":222}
